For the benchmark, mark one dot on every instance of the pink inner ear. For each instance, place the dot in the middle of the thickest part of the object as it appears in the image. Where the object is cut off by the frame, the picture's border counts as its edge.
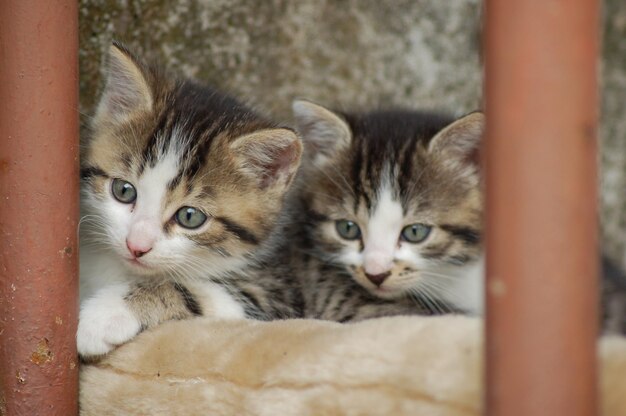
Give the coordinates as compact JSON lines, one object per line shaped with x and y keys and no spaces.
{"x":283,"y":163}
{"x":474,"y":156}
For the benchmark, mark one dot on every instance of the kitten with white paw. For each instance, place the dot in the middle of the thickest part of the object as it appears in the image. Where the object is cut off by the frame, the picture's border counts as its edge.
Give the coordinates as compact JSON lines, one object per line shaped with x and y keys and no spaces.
{"x":187,"y":210}
{"x":182,"y":186}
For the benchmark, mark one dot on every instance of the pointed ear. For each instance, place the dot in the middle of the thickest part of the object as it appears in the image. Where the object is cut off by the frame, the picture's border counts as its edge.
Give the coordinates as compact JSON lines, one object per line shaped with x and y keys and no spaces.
{"x":323,"y":131}
{"x":127,"y":90}
{"x":270,"y":156}
{"x":459,"y":142}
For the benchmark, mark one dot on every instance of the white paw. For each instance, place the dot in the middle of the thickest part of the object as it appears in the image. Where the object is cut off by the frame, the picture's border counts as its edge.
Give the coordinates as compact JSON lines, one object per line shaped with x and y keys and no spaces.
{"x":105,"y":321}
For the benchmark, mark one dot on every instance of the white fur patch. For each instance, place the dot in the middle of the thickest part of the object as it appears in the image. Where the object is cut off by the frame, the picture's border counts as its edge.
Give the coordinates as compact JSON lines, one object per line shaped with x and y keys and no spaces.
{"x":99,"y":268}
{"x":145,"y":228}
{"x":466,"y":290}
{"x":105,"y":321}
{"x":216,"y":302}
{"x":383,"y":231}
{"x":152,"y":185}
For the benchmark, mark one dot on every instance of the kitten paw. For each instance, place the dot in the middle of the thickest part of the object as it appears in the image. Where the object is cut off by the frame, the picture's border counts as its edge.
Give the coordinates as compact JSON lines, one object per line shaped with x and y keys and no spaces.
{"x":104,"y":323}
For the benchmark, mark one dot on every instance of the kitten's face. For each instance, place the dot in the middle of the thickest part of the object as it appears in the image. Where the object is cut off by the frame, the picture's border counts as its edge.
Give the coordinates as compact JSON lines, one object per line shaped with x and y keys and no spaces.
{"x":180,"y":180}
{"x":402,"y":212}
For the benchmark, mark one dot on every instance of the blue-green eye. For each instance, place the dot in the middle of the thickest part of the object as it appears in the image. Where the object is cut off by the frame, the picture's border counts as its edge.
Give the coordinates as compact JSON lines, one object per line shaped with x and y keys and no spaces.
{"x":190,"y":217}
{"x":415,"y":233}
{"x":123,"y":191}
{"x":348,"y":229}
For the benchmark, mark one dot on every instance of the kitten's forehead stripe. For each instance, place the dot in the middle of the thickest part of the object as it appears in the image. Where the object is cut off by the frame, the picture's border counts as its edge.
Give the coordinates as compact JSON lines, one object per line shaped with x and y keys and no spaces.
{"x":203,"y":116}
{"x":385,"y":143}
{"x":152,"y":185}
{"x":175,"y":181}
{"x":405,"y":174}
{"x":385,"y":222}
{"x":356,"y":172}
{"x":150,"y":151}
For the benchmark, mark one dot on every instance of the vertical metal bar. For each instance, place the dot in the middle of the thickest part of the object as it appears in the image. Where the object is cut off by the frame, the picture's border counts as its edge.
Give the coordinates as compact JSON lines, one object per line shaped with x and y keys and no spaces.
{"x":541,"y":106}
{"x":38,"y":206}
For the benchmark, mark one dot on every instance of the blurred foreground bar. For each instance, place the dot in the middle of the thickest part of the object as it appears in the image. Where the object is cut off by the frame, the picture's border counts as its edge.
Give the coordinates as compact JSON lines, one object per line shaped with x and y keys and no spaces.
{"x":38,"y":207}
{"x":541,"y":106}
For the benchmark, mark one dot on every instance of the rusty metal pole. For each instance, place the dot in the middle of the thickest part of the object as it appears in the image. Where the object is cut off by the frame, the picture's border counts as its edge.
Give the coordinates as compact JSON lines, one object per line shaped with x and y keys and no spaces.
{"x":38,"y":206}
{"x":541,"y":106}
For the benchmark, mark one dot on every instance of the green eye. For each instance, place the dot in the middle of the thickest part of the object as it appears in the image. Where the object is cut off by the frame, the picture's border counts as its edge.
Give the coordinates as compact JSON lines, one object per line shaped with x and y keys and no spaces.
{"x":189,"y":217}
{"x":123,"y":191}
{"x":348,"y":229}
{"x":415,"y":233}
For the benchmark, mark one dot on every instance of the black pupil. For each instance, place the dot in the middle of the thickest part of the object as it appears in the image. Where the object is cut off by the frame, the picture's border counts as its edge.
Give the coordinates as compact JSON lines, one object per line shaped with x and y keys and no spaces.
{"x":126,"y":187}
{"x":189,"y":213}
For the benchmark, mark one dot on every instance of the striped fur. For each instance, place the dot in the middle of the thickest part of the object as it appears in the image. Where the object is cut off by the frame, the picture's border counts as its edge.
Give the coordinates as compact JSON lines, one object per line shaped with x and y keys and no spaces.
{"x":426,"y":161}
{"x":262,"y":253}
{"x":180,"y":145}
{"x":431,"y":162}
{"x":386,"y":170}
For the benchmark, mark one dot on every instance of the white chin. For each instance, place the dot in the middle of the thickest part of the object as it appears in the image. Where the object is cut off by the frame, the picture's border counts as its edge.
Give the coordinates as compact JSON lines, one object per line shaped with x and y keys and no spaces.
{"x":387,"y":293}
{"x":383,"y":292}
{"x":140,"y":268}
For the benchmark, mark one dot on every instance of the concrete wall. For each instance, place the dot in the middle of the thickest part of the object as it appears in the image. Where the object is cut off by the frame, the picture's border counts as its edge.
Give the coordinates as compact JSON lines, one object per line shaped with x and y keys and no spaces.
{"x":346,"y":54}
{"x":613,"y":131}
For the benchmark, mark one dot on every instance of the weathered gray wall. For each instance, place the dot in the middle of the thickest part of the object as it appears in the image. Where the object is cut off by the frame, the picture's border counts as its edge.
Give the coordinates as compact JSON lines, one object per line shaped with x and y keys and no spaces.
{"x":613,"y":131}
{"x":357,"y":53}
{"x":354,"y":52}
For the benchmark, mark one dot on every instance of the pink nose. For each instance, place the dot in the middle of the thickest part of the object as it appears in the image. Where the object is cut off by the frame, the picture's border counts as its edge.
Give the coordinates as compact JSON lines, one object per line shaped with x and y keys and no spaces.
{"x":377,"y":264}
{"x":377,"y":279}
{"x":137,"y":250}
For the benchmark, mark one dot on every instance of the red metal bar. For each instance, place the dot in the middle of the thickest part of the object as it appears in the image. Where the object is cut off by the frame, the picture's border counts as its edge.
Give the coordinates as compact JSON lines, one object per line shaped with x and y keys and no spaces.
{"x":541,"y":105}
{"x":38,"y":206}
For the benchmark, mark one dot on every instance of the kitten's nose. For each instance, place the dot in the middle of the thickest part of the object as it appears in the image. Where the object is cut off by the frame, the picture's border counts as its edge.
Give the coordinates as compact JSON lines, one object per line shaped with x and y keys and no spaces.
{"x":377,"y":261}
{"x":378,"y":279}
{"x":136,"y":249}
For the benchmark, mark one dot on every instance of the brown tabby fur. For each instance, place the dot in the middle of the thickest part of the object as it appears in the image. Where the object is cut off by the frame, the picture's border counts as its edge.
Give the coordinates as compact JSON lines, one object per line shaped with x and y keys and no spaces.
{"x":277,"y":252}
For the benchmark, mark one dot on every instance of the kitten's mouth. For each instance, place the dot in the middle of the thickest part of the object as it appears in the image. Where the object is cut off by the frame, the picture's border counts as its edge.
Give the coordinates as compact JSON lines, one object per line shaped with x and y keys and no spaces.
{"x":135,"y":262}
{"x":385,"y":292}
{"x":140,"y":267}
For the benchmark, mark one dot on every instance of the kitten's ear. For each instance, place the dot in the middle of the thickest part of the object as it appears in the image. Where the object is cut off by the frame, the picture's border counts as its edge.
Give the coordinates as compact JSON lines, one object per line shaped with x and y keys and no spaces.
{"x":323,"y":131}
{"x":270,"y":156}
{"x":127,"y":90}
{"x":460,"y":141}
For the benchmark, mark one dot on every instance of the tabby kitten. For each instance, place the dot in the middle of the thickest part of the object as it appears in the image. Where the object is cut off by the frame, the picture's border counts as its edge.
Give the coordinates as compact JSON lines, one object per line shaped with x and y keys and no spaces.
{"x":183,"y":193}
{"x":181,"y":186}
{"x":392,"y":201}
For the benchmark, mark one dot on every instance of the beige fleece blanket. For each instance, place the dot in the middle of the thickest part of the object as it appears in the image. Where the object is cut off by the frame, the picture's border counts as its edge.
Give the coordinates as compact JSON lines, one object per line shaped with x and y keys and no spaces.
{"x":389,"y":366}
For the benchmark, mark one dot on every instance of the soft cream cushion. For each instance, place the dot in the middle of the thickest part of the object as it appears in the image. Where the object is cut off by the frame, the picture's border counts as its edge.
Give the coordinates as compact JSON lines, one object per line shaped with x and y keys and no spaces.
{"x":389,"y":366}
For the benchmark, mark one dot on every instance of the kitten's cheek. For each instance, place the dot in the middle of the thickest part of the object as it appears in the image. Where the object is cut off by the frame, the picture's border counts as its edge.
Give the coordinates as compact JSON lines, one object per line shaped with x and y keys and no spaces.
{"x":104,"y":323}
